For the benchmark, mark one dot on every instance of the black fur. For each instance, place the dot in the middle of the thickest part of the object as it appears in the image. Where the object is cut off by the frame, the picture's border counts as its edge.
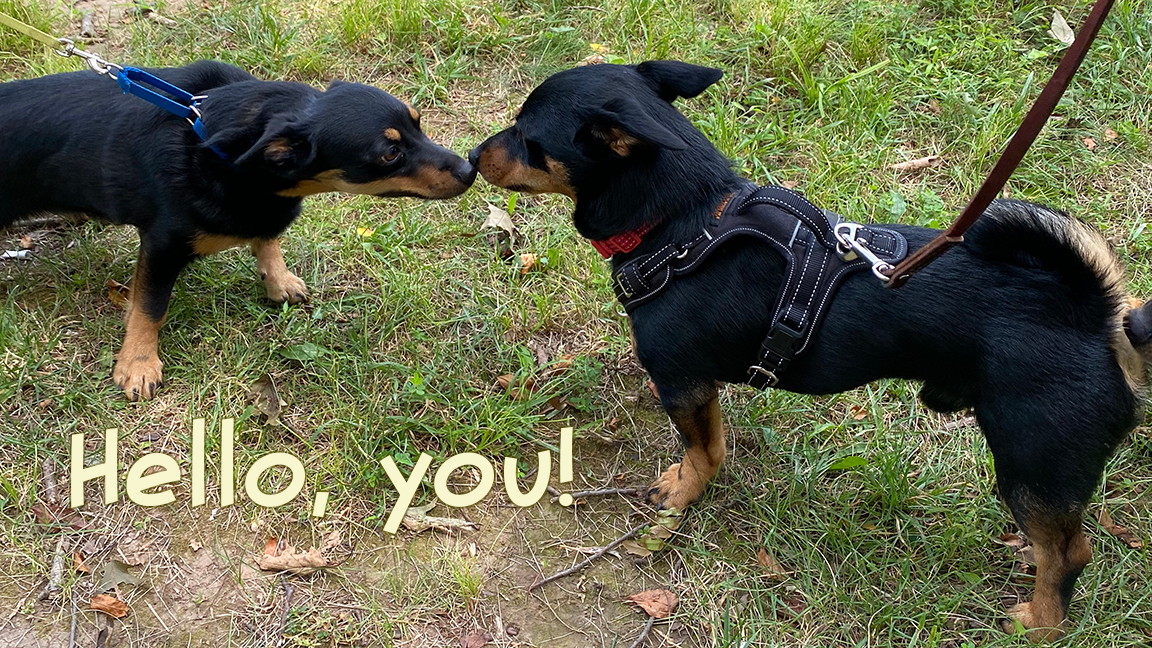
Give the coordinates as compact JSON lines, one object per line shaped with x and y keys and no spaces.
{"x":1014,"y":323}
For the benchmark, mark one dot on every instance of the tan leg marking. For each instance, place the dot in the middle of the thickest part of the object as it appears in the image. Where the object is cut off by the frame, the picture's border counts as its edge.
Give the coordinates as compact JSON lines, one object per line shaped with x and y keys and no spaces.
{"x":1062,"y":551}
{"x":281,"y":285}
{"x":138,"y":367}
{"x":684,"y":483}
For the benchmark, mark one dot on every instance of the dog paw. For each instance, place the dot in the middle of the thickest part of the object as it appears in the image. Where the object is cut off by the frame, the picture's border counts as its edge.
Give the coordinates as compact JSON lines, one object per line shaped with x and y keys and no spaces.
{"x":139,"y":377}
{"x":1038,"y":629}
{"x":677,"y":488}
{"x":285,"y":287}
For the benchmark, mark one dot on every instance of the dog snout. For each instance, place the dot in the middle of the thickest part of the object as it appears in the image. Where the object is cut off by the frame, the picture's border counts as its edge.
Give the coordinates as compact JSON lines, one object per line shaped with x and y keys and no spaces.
{"x":464,"y":171}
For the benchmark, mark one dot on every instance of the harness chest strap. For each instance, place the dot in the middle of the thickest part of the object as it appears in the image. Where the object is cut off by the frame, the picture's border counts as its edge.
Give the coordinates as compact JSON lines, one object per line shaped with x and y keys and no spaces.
{"x":813,"y":245}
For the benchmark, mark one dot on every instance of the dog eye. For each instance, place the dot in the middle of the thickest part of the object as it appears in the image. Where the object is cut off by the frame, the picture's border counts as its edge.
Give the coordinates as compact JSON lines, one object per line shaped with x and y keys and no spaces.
{"x":392,"y":154}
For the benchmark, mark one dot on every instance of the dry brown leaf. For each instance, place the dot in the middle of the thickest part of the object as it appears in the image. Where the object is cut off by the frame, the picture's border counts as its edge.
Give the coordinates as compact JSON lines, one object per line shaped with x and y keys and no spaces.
{"x":635,"y":548}
{"x":500,"y":219}
{"x":26,"y":242}
{"x":517,"y":389}
{"x":918,"y":163}
{"x":658,"y":603}
{"x":266,"y":399}
{"x":417,"y":520}
{"x":1110,"y":134}
{"x":790,"y":184}
{"x":1012,"y":540}
{"x":271,"y":547}
{"x":331,"y":542}
{"x":51,"y":514}
{"x":78,"y":563}
{"x":595,"y":59}
{"x":858,"y":412}
{"x":527,"y":262}
{"x":292,"y":561}
{"x":474,"y":640}
{"x":195,"y":546}
{"x":1122,"y":533}
{"x":109,"y":605}
{"x":1090,"y":142}
{"x":117,"y":293}
{"x":772,"y":568}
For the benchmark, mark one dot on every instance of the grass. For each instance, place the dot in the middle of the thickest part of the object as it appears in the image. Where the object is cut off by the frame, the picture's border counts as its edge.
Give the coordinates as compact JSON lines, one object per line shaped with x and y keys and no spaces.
{"x":410,"y":325}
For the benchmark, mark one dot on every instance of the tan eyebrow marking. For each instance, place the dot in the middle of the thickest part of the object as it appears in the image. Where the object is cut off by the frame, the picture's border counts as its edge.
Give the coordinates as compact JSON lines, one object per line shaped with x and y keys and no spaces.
{"x":392,"y":134}
{"x":415,"y":113}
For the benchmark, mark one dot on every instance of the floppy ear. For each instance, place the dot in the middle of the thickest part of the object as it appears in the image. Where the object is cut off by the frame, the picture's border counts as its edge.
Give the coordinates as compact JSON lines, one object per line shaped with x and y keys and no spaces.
{"x":673,"y":79}
{"x":622,"y":126}
{"x":283,"y":149}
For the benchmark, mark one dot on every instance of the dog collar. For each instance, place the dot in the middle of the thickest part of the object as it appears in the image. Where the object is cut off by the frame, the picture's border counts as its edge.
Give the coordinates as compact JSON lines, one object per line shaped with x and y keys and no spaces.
{"x":629,"y":241}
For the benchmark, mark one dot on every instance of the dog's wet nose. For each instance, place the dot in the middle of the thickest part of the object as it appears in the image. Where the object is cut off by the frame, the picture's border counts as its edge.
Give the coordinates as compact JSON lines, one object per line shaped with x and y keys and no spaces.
{"x":465,"y":172}
{"x":474,"y":156}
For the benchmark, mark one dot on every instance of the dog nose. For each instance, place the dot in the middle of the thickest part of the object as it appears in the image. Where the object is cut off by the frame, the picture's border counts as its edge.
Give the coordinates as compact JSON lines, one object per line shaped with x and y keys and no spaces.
{"x":465,"y":172}
{"x":474,"y":156}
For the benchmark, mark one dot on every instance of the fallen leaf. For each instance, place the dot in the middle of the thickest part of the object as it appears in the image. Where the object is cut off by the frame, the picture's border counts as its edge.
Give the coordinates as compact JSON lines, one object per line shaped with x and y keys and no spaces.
{"x":658,"y":603}
{"x":331,"y":542}
{"x":117,"y":293}
{"x":527,"y":262}
{"x":1090,"y":142}
{"x":50,"y":514}
{"x":1060,"y":29}
{"x":78,"y":563}
{"x":26,"y":242}
{"x":1110,"y":134}
{"x":271,"y":547}
{"x":365,"y":232}
{"x":195,"y":546}
{"x":858,"y":412}
{"x":562,"y":364}
{"x":292,"y":561}
{"x":500,"y":219}
{"x":635,"y":548}
{"x":1012,"y":540}
{"x":517,"y":389}
{"x":598,"y":47}
{"x":770,"y":565}
{"x":266,"y":399}
{"x":1122,"y":533}
{"x":109,"y":605}
{"x":594,"y":59}
{"x":474,"y":640}
{"x":918,"y":163}
{"x":790,"y":184}
{"x":116,"y":574}
{"x":417,"y":520}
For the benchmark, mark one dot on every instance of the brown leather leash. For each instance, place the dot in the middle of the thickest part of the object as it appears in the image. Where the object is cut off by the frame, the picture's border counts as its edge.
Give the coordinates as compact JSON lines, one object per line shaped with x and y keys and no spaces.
{"x":1013,"y":153}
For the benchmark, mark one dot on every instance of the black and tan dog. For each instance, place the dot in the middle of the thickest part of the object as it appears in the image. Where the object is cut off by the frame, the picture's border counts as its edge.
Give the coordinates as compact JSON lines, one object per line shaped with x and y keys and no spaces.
{"x":1026,"y":322}
{"x":74,"y":143}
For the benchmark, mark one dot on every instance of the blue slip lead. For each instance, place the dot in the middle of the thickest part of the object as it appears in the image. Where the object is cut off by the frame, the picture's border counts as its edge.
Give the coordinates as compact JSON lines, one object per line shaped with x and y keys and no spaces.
{"x":183,"y":104}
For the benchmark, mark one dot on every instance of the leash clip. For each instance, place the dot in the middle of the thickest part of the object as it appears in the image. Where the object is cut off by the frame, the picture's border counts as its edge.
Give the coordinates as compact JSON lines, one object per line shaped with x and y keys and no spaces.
{"x":98,"y":65}
{"x":851,"y":247}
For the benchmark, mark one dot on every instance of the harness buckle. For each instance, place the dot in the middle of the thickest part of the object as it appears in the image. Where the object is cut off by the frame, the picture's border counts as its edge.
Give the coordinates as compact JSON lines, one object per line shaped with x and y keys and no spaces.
{"x":771,"y":376}
{"x":851,"y":247}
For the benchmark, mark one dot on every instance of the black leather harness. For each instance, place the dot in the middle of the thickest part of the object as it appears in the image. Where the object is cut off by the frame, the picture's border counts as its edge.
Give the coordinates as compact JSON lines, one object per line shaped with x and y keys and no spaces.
{"x":819,"y":250}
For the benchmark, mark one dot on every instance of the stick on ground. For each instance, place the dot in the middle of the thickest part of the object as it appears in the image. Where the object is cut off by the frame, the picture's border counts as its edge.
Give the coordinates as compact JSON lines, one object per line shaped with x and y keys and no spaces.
{"x":644,"y":632}
{"x":589,"y":560}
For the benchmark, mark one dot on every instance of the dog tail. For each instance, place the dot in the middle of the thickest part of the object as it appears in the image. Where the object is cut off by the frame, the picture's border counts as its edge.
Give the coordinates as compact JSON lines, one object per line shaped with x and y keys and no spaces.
{"x":1034,"y":236}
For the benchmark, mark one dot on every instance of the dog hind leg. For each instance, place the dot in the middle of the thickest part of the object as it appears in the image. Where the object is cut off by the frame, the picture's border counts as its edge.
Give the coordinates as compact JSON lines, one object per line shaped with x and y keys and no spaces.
{"x":695,"y":412}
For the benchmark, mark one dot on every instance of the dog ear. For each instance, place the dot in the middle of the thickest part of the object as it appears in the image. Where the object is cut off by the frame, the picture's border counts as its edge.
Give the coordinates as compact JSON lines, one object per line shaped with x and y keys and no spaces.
{"x":335,"y":83}
{"x":283,"y":149}
{"x":673,"y":79}
{"x":621,"y":126}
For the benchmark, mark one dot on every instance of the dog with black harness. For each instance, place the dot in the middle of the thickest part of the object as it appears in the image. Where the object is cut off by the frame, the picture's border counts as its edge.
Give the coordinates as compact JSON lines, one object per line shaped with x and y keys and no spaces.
{"x":1025,"y":322}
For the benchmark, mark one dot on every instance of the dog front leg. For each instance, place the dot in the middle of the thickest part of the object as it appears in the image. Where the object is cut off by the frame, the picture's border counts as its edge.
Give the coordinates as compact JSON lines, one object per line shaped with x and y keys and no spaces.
{"x":281,"y":285}
{"x":138,"y":369}
{"x":696,"y":414}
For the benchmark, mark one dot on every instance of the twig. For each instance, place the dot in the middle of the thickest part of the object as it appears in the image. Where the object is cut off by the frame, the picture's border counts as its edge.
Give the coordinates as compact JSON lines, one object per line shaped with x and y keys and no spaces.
{"x":606,"y":491}
{"x":644,"y":632}
{"x":288,"y":591}
{"x":72,"y":633}
{"x":49,"y":476}
{"x":56,"y":575}
{"x":40,"y":222}
{"x":87,"y":27}
{"x":588,"y":561}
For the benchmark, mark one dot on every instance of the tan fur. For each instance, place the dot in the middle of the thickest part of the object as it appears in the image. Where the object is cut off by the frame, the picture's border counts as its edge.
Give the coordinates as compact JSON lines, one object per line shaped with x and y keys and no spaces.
{"x":684,"y":483}
{"x":426,"y":183}
{"x":502,"y":170}
{"x":392,"y":134}
{"x":205,"y":244}
{"x":138,"y":369}
{"x":620,"y":142}
{"x":414,"y":113}
{"x":280,"y":284}
{"x":1061,"y":549}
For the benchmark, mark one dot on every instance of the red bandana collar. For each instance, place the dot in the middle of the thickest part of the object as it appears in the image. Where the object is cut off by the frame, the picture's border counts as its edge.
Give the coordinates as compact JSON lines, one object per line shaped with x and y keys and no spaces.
{"x":629,"y":241}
